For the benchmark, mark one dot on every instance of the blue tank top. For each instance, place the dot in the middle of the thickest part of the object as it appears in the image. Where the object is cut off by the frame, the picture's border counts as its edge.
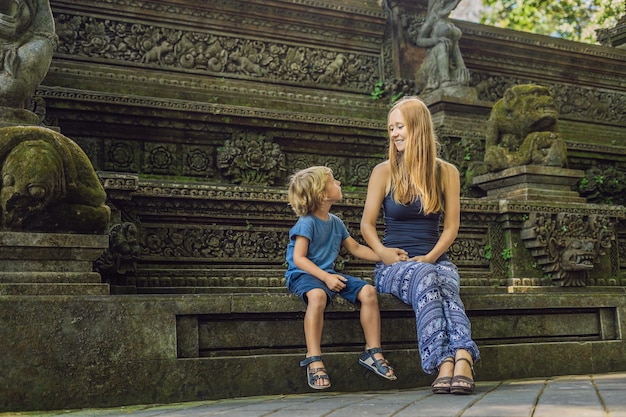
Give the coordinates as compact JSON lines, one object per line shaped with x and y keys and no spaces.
{"x":406,"y":227}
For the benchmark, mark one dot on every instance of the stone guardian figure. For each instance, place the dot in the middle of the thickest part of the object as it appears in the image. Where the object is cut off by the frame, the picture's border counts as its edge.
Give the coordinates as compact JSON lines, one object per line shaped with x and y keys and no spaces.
{"x":522,"y":130}
{"x":27,"y":41}
{"x":47,"y":182}
{"x":443,"y":64}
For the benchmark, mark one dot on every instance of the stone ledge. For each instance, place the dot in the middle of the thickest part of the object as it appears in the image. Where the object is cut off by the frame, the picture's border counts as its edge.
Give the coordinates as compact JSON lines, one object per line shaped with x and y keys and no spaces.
{"x":39,"y":289}
{"x":80,"y":344}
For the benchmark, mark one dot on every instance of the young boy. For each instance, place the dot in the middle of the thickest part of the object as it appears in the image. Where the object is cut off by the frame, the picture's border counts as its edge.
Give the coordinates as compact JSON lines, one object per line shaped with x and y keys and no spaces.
{"x":314,"y":243}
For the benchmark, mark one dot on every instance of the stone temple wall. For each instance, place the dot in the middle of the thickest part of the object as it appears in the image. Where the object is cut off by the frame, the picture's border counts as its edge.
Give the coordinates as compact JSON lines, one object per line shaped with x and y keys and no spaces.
{"x":195,"y":113}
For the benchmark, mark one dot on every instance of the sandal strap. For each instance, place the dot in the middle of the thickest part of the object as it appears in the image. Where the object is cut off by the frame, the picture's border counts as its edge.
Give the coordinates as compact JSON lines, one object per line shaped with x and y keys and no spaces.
{"x":461,"y":378}
{"x":447,"y":380}
{"x":469,"y":362}
{"x":313,"y":371}
{"x":314,"y":378}
{"x":382,"y":364}
{"x":310,"y":359}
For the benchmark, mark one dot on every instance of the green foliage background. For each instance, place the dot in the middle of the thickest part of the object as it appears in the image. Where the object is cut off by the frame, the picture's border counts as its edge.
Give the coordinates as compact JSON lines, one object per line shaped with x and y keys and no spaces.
{"x":575,"y":20}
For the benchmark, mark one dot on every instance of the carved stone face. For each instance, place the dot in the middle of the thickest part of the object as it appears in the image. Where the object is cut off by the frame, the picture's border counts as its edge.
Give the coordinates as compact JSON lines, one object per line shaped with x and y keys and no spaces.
{"x":534,"y":106}
{"x":578,"y":255}
{"x":15,"y":16}
{"x":32,"y":178}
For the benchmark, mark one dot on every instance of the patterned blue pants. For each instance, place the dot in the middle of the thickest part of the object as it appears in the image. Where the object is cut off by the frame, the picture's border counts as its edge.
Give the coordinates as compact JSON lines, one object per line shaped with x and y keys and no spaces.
{"x":432,"y":290}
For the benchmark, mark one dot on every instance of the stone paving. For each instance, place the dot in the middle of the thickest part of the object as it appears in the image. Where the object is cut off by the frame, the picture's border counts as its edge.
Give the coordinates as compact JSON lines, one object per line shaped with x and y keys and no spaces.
{"x":602,"y":395}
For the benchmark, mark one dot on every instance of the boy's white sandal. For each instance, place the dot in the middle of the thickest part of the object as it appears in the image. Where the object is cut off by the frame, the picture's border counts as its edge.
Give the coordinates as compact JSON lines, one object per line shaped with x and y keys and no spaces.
{"x":378,"y":366}
{"x":312,"y":373}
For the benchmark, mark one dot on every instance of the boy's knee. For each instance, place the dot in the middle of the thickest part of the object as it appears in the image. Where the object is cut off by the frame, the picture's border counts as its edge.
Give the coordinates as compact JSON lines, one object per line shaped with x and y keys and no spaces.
{"x":317,"y":297}
{"x":368,"y":295}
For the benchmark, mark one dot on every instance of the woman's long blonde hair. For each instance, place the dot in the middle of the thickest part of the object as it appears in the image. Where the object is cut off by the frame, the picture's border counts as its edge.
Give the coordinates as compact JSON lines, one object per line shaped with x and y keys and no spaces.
{"x":414,"y":172}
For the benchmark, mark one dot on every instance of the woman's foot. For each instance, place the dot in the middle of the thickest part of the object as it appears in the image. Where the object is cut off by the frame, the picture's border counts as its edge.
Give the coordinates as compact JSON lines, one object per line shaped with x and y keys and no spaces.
{"x":441,"y":385}
{"x":463,"y":381}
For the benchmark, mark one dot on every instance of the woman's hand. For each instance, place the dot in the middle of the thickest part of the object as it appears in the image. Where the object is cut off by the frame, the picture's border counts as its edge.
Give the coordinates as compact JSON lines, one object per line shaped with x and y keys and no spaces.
{"x":392,"y":255}
{"x":421,"y":258}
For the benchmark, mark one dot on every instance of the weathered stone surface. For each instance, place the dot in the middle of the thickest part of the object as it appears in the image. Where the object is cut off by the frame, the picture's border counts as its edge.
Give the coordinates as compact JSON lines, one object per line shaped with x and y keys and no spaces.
{"x":532,"y":182}
{"x":48,"y":184}
{"x":153,"y":99}
{"x":50,"y":263}
{"x":62,"y":352}
{"x":522,"y":130}
{"x":26,"y":44}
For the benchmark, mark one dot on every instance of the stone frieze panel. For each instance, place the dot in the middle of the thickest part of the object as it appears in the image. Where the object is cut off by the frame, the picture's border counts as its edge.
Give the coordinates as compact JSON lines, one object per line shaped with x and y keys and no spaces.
{"x":144,"y":45}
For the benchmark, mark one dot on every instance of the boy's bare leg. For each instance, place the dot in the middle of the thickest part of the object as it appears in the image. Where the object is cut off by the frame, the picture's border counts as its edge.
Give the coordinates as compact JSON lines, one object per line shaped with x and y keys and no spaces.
{"x":370,"y":319}
{"x":313,"y":325}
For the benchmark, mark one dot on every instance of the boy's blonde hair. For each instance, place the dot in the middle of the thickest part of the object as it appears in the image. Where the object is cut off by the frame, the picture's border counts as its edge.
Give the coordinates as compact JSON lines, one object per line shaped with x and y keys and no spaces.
{"x":307,"y":189}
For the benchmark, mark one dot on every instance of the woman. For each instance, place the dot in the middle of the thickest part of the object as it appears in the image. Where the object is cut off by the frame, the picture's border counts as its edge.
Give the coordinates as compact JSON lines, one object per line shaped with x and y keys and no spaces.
{"x":415,"y":188}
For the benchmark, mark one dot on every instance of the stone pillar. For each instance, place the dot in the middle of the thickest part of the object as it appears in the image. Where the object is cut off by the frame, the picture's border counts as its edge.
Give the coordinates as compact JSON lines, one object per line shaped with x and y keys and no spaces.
{"x":50,"y":263}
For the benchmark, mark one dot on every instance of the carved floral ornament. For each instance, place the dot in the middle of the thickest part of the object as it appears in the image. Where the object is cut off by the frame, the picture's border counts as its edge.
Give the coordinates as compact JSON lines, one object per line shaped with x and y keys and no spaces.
{"x":251,"y":159}
{"x":567,"y":246}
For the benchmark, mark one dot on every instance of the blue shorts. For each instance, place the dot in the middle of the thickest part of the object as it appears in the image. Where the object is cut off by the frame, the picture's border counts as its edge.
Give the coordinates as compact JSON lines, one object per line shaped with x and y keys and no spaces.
{"x":305,"y":283}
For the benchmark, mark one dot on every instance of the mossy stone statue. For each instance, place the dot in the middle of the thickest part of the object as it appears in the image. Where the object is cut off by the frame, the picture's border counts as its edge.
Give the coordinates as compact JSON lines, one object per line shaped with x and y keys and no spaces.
{"x":27,"y":41}
{"x":48,"y":184}
{"x":522,"y":130}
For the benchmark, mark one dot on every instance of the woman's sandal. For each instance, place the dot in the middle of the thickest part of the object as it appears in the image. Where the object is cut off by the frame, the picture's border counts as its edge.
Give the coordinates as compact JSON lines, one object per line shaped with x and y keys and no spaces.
{"x":462,"y":389}
{"x":378,"y":366}
{"x":312,"y":373}
{"x":442,"y":384}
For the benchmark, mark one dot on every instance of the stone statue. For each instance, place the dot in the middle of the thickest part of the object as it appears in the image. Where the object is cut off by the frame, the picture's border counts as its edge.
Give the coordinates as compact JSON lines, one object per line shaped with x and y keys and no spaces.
{"x":522,"y":130}
{"x":121,"y":257}
{"x":567,"y":246}
{"x":48,"y":184}
{"x":27,"y":41}
{"x":443,"y":65}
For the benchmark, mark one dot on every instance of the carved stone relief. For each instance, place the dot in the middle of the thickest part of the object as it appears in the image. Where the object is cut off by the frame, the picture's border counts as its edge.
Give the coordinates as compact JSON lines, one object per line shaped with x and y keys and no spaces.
{"x":604,"y":184}
{"x":194,"y":233}
{"x":120,"y":259}
{"x":210,"y":53}
{"x":572,"y":101}
{"x":251,"y":158}
{"x":566,"y":245}
{"x":27,"y":42}
{"x":522,"y":130}
{"x":48,"y":184}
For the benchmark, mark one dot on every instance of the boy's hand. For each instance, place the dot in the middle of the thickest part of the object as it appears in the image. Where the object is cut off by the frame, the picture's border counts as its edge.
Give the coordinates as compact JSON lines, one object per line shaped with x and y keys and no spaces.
{"x":336,"y":282}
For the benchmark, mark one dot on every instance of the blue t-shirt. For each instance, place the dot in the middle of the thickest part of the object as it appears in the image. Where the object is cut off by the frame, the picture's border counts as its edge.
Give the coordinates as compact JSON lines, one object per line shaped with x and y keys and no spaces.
{"x":406,"y":227}
{"x":325,"y":238}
